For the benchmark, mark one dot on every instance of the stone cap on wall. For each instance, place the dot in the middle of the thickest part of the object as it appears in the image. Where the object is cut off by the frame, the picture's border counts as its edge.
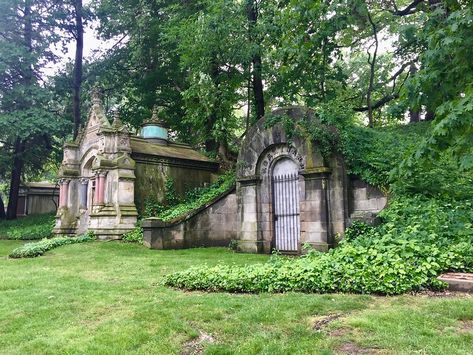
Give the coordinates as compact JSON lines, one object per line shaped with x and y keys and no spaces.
{"x":172,"y":150}
{"x":154,"y":222}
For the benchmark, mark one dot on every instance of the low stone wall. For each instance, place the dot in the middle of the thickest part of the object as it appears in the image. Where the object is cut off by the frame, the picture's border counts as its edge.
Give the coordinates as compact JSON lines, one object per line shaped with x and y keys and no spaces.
{"x":365,"y":201}
{"x":211,"y":225}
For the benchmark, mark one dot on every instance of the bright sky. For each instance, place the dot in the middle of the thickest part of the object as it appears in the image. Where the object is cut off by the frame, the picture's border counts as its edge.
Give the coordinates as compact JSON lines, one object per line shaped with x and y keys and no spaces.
{"x":93,"y":48}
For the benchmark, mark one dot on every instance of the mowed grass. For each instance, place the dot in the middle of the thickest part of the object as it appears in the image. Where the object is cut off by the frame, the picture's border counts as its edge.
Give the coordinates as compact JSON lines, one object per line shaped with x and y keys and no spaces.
{"x":107,"y":298}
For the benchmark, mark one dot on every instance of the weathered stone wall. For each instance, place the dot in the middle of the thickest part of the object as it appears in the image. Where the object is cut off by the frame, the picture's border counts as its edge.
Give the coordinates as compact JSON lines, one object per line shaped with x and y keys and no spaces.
{"x":151,"y":178}
{"x":212,"y":225}
{"x":365,"y":201}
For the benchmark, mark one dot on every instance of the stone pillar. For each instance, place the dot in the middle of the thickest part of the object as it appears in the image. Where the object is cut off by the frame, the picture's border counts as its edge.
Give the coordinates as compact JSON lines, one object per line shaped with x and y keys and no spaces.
{"x":315,"y":226}
{"x":96,"y":191}
{"x":101,"y":188}
{"x":248,"y":240}
{"x":84,"y":182}
{"x":63,"y":192}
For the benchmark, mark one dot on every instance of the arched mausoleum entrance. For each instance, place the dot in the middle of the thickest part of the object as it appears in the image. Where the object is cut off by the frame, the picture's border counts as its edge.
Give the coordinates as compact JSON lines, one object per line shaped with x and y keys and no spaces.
{"x":288,"y":194}
{"x":286,"y":205}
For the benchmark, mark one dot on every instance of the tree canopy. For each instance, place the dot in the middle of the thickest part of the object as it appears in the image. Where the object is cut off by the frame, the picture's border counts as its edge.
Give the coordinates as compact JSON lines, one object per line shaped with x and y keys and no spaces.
{"x":215,"y":67}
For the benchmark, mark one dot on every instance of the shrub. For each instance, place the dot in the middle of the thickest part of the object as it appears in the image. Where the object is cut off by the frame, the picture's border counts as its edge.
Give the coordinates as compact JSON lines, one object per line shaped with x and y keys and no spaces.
{"x":421,"y":238}
{"x":134,"y":236}
{"x":31,"y":250}
{"x":198,"y":198}
{"x":357,"y":229}
{"x":28,"y":228}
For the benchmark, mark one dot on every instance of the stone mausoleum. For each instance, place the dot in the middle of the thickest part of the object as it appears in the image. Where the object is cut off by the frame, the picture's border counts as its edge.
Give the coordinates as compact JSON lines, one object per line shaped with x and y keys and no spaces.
{"x":287,"y":195}
{"x":108,"y":173}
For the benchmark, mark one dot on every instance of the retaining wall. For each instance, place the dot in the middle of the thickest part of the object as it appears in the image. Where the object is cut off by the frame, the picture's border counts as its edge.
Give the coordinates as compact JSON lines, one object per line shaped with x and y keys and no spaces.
{"x":212,"y":225}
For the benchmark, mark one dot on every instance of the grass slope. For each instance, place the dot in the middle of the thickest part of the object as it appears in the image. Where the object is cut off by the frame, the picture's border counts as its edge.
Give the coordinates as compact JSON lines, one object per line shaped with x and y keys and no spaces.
{"x":28,"y":228}
{"x":107,"y":298}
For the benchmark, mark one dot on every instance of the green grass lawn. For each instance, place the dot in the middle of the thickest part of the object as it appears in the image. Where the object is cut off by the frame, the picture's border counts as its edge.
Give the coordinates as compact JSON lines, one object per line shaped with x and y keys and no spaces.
{"x":106,"y":297}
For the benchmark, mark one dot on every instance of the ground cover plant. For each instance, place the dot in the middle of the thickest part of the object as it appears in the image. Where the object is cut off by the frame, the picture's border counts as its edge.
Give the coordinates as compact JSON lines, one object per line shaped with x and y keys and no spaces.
{"x":31,"y":250}
{"x":108,"y":298}
{"x":426,"y":229}
{"x":194,"y":198}
{"x":28,"y":228}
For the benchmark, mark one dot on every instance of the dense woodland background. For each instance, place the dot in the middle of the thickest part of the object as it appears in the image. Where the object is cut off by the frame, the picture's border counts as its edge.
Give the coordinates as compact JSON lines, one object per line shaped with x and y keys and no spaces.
{"x":217,"y":66}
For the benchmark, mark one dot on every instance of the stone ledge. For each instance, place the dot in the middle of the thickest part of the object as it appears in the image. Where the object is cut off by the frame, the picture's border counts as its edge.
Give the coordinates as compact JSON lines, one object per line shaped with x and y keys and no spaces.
{"x":458,"y":281}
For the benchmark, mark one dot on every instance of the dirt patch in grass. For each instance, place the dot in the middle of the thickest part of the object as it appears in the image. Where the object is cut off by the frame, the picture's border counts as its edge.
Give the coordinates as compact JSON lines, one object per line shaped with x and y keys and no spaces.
{"x":318,"y":323}
{"x":196,"y":346}
{"x":466,"y":326}
{"x":339,"y":332}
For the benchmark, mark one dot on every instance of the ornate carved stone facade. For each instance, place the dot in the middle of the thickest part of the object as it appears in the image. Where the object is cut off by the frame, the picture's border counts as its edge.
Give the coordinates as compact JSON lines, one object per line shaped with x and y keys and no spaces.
{"x":107,"y":173}
{"x":311,"y":203}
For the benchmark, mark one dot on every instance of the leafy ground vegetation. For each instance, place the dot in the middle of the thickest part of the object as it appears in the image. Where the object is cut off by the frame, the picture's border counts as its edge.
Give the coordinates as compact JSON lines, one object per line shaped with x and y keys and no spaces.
{"x":108,"y":297}
{"x":426,"y":229}
{"x":33,"y":227}
{"x":31,"y":250}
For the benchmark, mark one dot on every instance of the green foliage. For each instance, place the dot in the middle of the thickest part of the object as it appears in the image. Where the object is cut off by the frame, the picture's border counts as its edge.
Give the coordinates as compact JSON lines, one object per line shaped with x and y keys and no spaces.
{"x":170,"y":194}
{"x":28,"y":228}
{"x":420,"y":239}
{"x":372,"y":154}
{"x":134,"y":236}
{"x":32,"y":250}
{"x":153,"y":207}
{"x":426,"y":230}
{"x":233,"y":245}
{"x":199,"y":197}
{"x":358,"y":229}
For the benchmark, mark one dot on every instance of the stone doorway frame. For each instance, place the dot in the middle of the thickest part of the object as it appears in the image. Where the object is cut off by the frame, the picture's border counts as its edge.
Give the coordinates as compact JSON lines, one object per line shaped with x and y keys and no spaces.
{"x":323,"y":186}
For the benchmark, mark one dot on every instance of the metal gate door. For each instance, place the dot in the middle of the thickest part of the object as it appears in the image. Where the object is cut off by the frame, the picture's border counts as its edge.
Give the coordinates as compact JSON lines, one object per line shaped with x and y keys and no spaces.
{"x":286,"y":212}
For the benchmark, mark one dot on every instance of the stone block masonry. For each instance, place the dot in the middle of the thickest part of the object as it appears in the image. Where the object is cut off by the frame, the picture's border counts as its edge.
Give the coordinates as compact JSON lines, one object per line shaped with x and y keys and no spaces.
{"x":211,"y":225}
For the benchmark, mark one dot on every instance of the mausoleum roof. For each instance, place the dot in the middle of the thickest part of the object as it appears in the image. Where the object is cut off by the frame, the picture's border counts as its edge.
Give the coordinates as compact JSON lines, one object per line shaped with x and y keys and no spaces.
{"x":171,"y":150}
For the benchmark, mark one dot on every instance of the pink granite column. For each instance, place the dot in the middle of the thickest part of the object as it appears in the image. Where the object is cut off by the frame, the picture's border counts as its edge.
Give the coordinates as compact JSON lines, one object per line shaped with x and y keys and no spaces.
{"x":96,"y":191}
{"x":63,"y":192}
{"x":101,"y":189}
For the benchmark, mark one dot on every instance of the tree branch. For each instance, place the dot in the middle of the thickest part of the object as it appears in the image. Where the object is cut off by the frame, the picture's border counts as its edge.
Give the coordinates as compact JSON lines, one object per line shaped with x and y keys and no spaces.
{"x":381,"y":102}
{"x":408,"y":10}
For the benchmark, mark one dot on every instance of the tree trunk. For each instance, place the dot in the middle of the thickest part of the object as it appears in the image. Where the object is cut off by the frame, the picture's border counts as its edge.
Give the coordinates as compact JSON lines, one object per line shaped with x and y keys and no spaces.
{"x":429,"y":115}
{"x":414,"y":114}
{"x":258,"y":88}
{"x":15,"y":180}
{"x":2,"y":209}
{"x":372,"y":63}
{"x":77,"y":80}
{"x":211,"y":144}
{"x":19,"y":149}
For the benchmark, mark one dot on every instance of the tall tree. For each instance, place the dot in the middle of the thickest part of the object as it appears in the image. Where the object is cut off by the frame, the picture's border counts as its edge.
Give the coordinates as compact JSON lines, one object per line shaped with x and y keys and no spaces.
{"x":78,"y":34}
{"x":27,"y":120}
{"x":256,"y":60}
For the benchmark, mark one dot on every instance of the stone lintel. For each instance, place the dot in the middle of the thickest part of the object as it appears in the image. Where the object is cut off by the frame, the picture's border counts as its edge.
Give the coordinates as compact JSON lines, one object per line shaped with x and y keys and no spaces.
{"x":127,"y":174}
{"x":72,"y":145}
{"x":320,"y":172}
{"x":249,"y":180}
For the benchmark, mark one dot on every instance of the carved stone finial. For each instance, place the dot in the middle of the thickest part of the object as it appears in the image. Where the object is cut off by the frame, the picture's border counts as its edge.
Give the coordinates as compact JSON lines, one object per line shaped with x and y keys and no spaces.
{"x":155,"y":117}
{"x":117,"y":123}
{"x":96,"y":95}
